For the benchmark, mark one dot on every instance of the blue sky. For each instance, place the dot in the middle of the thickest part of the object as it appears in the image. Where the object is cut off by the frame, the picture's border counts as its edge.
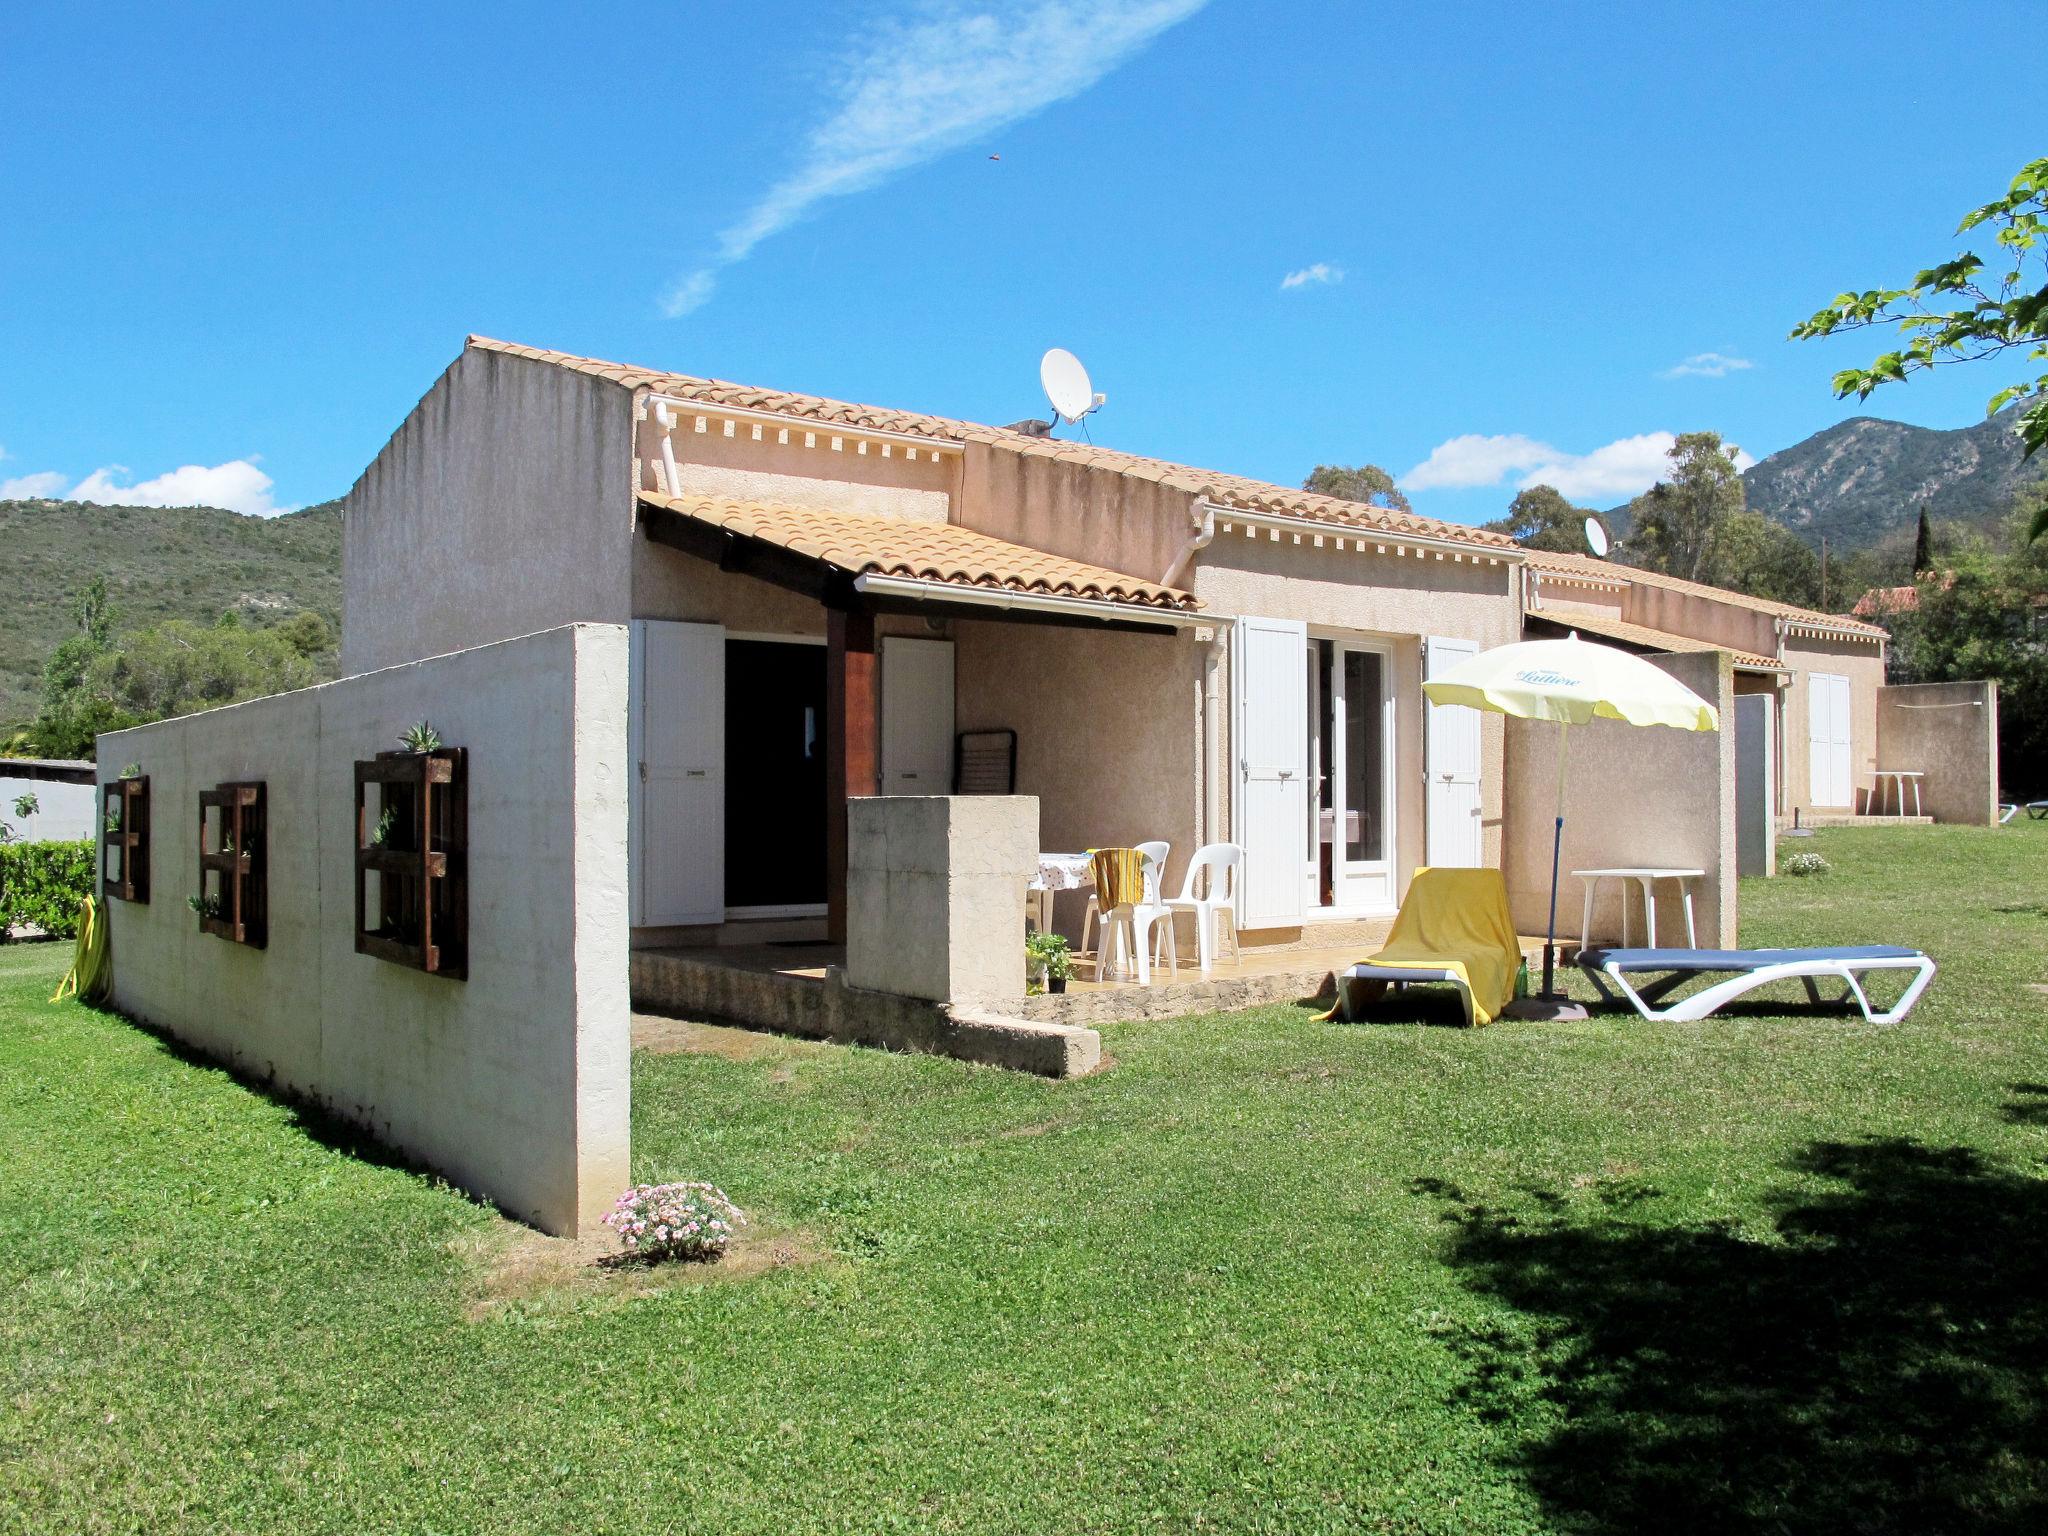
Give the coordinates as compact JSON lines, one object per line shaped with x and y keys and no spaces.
{"x":241,"y":241}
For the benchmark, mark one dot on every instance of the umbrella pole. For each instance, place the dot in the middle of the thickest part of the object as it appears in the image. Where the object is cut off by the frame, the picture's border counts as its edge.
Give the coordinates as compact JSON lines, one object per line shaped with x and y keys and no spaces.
{"x":1556,"y":854}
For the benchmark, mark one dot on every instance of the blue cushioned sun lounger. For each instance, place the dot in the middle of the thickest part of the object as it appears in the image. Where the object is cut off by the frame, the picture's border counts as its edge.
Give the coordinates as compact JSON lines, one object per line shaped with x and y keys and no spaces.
{"x":1748,"y":969}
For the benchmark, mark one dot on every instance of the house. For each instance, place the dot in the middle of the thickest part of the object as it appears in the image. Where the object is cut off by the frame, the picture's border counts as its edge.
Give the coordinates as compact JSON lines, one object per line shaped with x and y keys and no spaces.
{"x":60,"y":790}
{"x":701,"y":662}
{"x":1822,"y":673}
{"x":824,"y":596}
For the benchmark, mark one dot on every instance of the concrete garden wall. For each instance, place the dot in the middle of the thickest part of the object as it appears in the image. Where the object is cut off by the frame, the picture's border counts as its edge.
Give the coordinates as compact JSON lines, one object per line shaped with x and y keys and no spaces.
{"x":1634,"y":795}
{"x":514,"y":1083}
{"x":1948,"y":732}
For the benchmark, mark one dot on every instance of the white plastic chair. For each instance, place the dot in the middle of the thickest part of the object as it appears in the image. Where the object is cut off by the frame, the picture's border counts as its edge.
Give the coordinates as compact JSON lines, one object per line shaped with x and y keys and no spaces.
{"x":1155,"y":853}
{"x":1220,"y":863}
{"x":1138,"y":924}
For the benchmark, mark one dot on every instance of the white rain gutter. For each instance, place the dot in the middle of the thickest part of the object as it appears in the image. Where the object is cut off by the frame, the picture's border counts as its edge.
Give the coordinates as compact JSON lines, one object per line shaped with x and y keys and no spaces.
{"x":1002,"y":598}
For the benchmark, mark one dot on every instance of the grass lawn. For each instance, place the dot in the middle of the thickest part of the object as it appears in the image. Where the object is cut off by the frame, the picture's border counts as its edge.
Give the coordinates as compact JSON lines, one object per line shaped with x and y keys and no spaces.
{"x":1769,"y":1274}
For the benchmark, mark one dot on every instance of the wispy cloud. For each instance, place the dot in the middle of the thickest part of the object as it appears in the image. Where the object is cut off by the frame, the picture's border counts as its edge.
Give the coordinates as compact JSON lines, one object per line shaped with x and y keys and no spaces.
{"x":1319,"y":272}
{"x":1706,"y":365}
{"x":1624,"y":467}
{"x":908,"y":91}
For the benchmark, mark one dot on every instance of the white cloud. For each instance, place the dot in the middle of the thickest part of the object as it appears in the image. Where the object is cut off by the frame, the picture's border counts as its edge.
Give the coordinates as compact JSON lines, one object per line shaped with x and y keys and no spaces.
{"x":29,"y":487}
{"x":1706,"y":365}
{"x":1624,"y":467}
{"x":909,"y":91}
{"x":1319,"y":272}
{"x":237,"y":485}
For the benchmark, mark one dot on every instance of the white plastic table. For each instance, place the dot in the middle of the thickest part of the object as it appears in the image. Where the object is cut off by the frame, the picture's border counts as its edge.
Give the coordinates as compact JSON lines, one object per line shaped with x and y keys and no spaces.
{"x":1059,"y":872}
{"x":1646,"y":877}
{"x":1899,"y":776}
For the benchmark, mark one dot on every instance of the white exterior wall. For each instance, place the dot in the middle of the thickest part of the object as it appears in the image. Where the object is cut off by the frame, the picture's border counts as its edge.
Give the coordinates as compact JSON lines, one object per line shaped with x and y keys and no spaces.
{"x":502,"y":506}
{"x":64,"y":811}
{"x":515,"y":1082}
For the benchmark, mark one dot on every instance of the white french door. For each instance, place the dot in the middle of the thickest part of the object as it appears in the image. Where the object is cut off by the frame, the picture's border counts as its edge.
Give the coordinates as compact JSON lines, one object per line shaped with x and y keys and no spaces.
{"x":1270,"y":697}
{"x":1828,"y":740}
{"x":917,"y":716}
{"x":1452,"y":741}
{"x":677,"y":796}
{"x":1354,"y":819}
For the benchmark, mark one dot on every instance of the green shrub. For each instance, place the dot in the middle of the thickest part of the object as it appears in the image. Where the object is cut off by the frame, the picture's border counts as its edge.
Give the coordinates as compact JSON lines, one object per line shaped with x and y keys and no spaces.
{"x":43,"y":883}
{"x":1807,"y":863}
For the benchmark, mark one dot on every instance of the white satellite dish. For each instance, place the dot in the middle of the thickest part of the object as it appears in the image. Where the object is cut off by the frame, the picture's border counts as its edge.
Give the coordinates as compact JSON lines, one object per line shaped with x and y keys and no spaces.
{"x":1067,"y":385}
{"x":1596,"y":538}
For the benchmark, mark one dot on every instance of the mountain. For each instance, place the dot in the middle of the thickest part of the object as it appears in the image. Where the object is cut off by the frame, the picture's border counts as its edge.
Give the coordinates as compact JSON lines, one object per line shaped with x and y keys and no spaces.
{"x":160,"y":563}
{"x":1860,"y":479}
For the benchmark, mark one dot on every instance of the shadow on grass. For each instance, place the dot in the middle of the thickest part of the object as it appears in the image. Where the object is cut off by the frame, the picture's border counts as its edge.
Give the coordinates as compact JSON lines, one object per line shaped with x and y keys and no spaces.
{"x":1876,"y":1363}
{"x":317,"y":1121}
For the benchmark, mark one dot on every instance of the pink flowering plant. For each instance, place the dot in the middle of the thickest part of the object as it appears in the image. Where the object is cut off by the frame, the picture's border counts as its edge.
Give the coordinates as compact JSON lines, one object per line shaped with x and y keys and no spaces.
{"x":675,"y":1221}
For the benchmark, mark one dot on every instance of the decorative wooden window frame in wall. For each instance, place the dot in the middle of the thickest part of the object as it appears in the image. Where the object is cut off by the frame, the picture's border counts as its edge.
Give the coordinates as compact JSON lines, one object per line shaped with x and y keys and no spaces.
{"x":130,"y":797}
{"x":241,"y":862}
{"x":422,"y":881}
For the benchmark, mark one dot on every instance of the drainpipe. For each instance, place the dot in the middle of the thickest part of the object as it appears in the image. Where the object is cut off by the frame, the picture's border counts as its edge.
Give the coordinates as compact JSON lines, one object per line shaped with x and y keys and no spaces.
{"x":1200,"y":533}
{"x":1212,"y":744}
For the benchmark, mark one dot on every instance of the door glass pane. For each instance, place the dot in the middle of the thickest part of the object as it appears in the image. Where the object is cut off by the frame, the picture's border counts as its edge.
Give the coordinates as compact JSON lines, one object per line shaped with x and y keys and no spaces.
{"x":1365,"y":775}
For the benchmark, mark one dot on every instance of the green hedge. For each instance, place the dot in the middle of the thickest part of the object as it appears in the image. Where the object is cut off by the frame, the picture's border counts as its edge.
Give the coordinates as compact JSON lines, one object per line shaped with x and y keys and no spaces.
{"x":43,"y":883}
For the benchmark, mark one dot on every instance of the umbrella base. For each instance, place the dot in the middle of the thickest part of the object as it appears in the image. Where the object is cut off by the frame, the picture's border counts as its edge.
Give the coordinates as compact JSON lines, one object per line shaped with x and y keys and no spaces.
{"x":1555,"y":1008}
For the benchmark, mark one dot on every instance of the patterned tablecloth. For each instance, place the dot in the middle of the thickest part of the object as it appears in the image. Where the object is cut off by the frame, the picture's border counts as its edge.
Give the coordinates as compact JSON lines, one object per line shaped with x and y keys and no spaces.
{"x":1064,"y":872}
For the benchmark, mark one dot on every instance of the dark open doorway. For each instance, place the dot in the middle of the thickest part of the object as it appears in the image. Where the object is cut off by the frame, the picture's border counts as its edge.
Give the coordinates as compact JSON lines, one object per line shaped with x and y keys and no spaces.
{"x":774,"y":775}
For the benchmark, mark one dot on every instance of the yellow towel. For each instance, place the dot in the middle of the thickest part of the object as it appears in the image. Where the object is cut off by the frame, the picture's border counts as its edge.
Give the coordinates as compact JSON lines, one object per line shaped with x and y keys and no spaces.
{"x":1457,"y":920}
{"x":89,"y":973}
{"x":1119,"y":877}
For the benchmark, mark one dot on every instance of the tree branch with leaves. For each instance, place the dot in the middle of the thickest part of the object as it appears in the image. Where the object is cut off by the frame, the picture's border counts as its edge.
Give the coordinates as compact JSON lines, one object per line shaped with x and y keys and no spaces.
{"x":2000,"y":305}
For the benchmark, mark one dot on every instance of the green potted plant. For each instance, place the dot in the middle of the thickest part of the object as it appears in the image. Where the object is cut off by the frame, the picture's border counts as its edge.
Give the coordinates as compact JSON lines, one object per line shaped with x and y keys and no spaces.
{"x":1046,"y":956}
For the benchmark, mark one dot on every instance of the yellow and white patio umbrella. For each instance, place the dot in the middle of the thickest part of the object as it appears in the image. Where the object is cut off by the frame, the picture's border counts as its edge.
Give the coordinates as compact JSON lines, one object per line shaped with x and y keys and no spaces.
{"x":1570,"y":681}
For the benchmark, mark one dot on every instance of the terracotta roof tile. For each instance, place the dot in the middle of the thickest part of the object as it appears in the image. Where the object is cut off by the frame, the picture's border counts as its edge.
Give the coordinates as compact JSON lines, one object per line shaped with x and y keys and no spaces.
{"x":1224,"y":489}
{"x":1582,"y":566}
{"x":1648,"y":638}
{"x":865,"y":544}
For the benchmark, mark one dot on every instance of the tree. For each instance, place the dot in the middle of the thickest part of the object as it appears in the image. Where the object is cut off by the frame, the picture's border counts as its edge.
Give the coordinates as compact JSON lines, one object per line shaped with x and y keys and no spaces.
{"x":2002,"y":311}
{"x":1364,"y":482}
{"x":1765,"y":559}
{"x":1540,"y":518}
{"x":1675,"y":524}
{"x":90,"y":686}
{"x":1923,"y":545}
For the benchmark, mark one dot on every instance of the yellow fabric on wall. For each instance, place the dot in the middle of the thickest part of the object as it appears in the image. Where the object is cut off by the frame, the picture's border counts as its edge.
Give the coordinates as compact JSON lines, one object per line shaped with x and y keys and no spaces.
{"x":1457,"y":920}
{"x":89,"y":973}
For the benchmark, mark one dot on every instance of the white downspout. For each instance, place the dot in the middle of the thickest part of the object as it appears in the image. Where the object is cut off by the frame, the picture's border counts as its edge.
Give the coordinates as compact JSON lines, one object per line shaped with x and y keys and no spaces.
{"x":1200,"y":536}
{"x":1212,"y":743}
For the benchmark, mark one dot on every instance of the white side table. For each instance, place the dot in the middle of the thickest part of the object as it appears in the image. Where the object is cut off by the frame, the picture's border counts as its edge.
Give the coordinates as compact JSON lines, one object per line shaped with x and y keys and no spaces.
{"x":1899,"y":778}
{"x":1647,"y":878}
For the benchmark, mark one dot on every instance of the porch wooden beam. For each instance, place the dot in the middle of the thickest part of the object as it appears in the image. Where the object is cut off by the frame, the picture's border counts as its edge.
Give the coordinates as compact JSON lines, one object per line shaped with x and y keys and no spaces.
{"x":852,"y":756}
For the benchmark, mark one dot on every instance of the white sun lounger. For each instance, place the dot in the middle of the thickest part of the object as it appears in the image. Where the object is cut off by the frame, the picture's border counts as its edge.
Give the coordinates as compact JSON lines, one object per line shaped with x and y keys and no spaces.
{"x":1748,"y":969}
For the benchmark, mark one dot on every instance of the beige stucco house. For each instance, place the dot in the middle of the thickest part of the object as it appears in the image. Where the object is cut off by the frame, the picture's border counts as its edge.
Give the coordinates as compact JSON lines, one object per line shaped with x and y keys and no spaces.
{"x":824,"y":597}
{"x":1822,"y":672}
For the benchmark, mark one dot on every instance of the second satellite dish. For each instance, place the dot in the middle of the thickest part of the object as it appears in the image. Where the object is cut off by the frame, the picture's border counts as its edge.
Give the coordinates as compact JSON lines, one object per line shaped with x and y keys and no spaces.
{"x":1067,"y":385}
{"x":1596,"y":538}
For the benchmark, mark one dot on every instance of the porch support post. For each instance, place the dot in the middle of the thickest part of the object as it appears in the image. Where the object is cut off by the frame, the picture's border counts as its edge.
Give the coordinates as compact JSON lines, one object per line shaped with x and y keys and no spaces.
{"x":851,"y":755}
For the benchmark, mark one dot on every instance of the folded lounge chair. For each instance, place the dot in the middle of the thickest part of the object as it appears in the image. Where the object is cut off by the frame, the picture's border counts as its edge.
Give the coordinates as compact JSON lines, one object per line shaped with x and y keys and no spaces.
{"x":1748,"y":969}
{"x":1453,"y":927}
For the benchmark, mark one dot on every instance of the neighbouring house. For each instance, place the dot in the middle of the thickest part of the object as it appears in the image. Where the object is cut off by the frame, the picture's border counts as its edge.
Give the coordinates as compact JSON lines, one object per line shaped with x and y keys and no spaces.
{"x":61,"y":791}
{"x":1835,"y":725}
